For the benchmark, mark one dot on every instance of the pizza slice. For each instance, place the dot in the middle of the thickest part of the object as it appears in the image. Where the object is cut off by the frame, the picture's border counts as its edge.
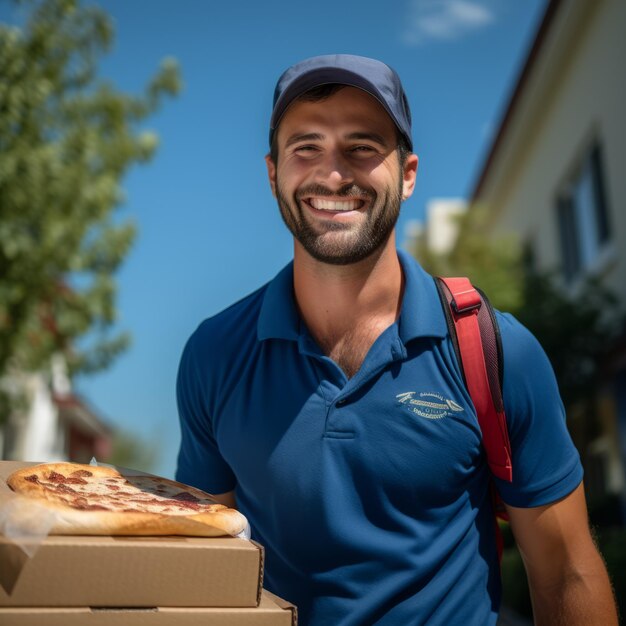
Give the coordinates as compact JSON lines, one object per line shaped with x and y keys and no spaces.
{"x":100,"y":500}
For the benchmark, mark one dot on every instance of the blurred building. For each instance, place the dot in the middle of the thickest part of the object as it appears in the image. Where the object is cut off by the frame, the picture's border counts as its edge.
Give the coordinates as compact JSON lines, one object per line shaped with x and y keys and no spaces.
{"x":555,"y":176}
{"x":442,"y":223}
{"x":438,"y":233}
{"x":51,"y":423}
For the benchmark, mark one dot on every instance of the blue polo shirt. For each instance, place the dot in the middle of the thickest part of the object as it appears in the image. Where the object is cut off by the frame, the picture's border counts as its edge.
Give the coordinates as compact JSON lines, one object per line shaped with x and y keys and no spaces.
{"x":370,"y":494}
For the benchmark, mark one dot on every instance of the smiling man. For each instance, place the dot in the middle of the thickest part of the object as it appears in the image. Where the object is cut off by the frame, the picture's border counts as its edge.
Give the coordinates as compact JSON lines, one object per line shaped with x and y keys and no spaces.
{"x":332,"y":214}
{"x":298,"y":403}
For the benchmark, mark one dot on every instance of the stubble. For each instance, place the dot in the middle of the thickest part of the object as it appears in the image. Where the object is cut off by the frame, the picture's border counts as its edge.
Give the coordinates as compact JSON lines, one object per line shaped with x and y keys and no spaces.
{"x":335,"y":242}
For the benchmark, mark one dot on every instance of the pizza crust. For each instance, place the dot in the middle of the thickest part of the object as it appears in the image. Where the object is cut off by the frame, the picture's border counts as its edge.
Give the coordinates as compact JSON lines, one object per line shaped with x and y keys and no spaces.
{"x":209,"y":519}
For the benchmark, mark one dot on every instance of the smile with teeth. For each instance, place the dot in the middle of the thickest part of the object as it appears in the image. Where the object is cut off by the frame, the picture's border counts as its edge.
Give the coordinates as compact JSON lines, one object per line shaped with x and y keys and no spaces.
{"x":323,"y":204}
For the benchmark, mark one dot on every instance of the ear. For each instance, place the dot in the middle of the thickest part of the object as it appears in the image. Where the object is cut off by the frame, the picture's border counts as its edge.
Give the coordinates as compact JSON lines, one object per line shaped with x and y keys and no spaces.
{"x":409,"y":174}
{"x":271,"y":173}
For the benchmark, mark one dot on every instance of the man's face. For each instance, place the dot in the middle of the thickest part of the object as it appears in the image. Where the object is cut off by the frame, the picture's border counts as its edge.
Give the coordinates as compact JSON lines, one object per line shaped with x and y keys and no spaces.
{"x":338,"y":179}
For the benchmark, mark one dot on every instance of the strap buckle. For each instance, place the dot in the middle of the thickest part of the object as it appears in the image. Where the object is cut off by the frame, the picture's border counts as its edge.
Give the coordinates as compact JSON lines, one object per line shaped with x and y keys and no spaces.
{"x":466,"y":308}
{"x":464,"y":298}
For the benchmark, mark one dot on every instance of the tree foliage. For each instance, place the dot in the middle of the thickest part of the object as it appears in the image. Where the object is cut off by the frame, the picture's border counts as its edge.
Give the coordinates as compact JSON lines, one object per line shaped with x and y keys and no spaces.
{"x":133,"y":452}
{"x":66,"y":140}
{"x":495,"y":266}
{"x":576,"y":328}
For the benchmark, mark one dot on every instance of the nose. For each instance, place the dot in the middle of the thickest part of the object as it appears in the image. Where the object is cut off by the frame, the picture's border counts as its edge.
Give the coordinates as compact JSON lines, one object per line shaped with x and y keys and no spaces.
{"x":334,"y":170}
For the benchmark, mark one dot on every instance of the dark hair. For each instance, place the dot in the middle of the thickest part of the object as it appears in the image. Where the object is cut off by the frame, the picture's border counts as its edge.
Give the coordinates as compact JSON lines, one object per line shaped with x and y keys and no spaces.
{"x":323,"y":92}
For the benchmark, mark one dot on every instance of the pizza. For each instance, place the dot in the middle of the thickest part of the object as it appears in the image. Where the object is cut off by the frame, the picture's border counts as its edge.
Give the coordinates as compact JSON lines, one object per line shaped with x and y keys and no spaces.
{"x":100,"y":500}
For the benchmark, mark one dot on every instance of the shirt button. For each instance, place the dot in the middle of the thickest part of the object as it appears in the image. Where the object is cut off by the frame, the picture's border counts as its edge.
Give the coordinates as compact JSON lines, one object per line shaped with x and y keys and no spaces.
{"x":341,"y":402}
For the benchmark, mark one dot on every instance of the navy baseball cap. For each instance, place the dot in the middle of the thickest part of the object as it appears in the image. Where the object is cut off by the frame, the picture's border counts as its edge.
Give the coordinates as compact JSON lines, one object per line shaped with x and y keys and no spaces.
{"x":373,"y":76}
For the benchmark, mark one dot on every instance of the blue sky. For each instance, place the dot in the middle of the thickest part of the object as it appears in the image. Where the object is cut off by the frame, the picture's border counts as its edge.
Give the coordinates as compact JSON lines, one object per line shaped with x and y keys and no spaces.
{"x":209,"y":229}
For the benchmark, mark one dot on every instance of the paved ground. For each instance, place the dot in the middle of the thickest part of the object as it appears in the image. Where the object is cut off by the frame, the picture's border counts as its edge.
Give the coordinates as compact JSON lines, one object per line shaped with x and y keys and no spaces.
{"x":509,"y":618}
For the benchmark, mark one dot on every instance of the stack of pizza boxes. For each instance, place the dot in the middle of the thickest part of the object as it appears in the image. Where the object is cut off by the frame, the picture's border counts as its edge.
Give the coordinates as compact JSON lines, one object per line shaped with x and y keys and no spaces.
{"x":62,"y":580}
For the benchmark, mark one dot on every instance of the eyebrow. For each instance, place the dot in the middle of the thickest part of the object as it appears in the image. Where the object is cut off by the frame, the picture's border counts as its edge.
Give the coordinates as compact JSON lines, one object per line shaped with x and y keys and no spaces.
{"x":359,"y":136}
{"x":375,"y":137}
{"x":303,"y":137}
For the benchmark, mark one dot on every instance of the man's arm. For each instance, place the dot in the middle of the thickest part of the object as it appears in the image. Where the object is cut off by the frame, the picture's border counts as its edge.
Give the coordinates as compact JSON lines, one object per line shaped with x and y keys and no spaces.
{"x":568,"y":581}
{"x":227,"y":498}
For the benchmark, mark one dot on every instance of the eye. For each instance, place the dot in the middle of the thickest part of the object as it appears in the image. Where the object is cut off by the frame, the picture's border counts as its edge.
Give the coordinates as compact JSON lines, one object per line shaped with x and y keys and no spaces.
{"x":306,"y":151}
{"x":363,"y":150}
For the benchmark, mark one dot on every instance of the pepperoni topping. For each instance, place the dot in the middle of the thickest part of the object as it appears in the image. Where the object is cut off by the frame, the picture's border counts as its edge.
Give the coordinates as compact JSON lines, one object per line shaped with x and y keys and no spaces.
{"x":55,"y":477}
{"x":185,"y":496}
{"x":81,"y":474}
{"x":76,"y":481}
{"x":183,"y":504}
{"x":155,"y":501}
{"x":170,"y":503}
{"x":85,"y":491}
{"x":63,"y":488}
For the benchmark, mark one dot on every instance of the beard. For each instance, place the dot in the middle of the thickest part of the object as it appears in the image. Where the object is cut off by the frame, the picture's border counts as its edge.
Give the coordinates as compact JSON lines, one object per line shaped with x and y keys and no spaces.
{"x":341,"y":243}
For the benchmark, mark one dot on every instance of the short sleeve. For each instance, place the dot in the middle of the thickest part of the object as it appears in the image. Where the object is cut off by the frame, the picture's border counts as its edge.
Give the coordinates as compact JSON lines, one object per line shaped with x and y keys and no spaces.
{"x":546,"y":464}
{"x":199,"y":461}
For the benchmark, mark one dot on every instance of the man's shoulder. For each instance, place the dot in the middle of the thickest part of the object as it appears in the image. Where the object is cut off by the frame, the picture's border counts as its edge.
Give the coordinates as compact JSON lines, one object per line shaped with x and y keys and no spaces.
{"x":517,"y":340}
{"x":528,"y":374}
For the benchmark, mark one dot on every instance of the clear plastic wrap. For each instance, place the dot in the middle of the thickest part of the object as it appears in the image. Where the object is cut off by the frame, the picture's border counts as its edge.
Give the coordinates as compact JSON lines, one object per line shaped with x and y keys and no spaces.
{"x":26,"y":523}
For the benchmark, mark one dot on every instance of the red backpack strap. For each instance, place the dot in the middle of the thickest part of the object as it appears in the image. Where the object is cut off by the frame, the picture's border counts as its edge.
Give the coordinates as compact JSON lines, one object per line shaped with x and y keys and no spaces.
{"x":475,"y":334}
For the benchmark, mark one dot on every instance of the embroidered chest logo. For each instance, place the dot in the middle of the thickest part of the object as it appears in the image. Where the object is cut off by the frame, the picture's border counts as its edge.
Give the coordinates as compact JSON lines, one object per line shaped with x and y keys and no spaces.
{"x":432,"y":406}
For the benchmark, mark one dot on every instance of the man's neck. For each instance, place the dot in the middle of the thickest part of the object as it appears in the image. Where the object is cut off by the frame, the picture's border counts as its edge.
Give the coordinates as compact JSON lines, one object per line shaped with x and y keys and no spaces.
{"x":346,"y":307}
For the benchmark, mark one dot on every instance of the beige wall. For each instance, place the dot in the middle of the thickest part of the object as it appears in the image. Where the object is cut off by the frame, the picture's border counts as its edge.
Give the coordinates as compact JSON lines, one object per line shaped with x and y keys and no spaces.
{"x":576,"y":93}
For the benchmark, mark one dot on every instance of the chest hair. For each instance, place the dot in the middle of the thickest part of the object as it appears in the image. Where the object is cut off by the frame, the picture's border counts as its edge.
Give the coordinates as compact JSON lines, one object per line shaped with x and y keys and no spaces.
{"x":349,"y":349}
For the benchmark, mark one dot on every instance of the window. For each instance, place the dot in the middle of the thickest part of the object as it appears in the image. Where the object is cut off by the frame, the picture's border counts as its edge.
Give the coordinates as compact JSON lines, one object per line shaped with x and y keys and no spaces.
{"x":583,"y":217}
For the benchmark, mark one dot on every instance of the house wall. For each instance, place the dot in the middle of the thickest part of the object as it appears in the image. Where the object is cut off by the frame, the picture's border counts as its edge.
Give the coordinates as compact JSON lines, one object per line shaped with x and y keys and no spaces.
{"x":575,"y":95}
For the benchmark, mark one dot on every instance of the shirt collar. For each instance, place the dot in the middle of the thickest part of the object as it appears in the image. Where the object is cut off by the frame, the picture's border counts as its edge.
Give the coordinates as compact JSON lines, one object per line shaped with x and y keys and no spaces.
{"x":421,"y":314}
{"x":279,"y":317}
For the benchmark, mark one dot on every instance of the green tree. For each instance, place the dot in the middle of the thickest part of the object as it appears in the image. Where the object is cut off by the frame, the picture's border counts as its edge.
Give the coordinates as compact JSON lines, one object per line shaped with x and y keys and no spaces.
{"x":576,"y":329}
{"x":494,"y":265}
{"x":130,"y":451}
{"x":66,"y":140}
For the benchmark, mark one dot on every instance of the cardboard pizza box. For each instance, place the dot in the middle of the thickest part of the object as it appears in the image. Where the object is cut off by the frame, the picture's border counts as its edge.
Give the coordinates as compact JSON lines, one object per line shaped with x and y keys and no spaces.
{"x":83,"y":571}
{"x":272,"y":611}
